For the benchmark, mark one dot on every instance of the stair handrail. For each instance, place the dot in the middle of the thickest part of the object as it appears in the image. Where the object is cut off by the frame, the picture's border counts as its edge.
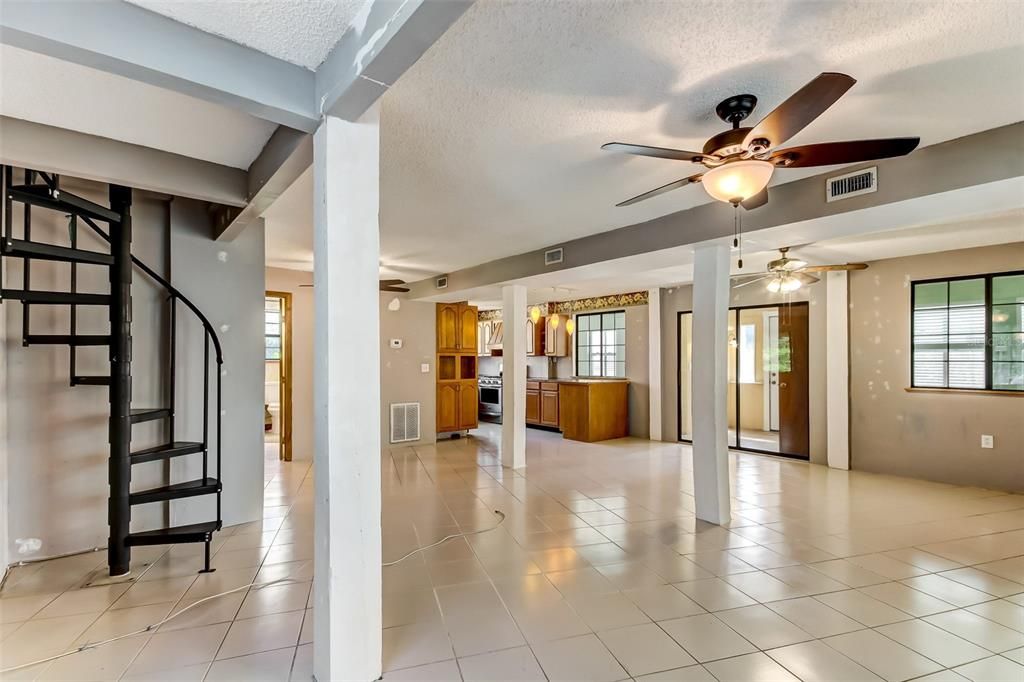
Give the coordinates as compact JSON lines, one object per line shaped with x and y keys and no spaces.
{"x":207,"y":325}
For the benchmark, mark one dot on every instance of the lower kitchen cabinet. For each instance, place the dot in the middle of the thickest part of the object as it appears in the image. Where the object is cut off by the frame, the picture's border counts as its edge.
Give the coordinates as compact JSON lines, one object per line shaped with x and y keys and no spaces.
{"x":532,"y":405}
{"x":549,"y":404}
{"x":457,"y":406}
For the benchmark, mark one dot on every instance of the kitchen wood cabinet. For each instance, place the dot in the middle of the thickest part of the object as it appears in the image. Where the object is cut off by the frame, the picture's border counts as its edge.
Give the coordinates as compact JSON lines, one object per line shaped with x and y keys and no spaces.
{"x":448,"y":407}
{"x":556,"y":339}
{"x":532,"y":405}
{"x":549,"y":404}
{"x":469,"y":404}
{"x":594,"y":410}
{"x":535,"y":337}
{"x":456,"y":328}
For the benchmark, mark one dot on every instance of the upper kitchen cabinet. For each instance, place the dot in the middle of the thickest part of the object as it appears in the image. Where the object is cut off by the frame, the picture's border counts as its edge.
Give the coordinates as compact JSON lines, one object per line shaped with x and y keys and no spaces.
{"x":535,"y":337}
{"x":556,"y":339}
{"x":456,"y":328}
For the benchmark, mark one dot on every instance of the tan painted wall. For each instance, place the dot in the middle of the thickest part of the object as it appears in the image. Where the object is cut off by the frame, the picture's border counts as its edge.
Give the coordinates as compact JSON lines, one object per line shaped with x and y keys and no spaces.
{"x":401,"y":379}
{"x":934,"y":436}
{"x":291,"y":281}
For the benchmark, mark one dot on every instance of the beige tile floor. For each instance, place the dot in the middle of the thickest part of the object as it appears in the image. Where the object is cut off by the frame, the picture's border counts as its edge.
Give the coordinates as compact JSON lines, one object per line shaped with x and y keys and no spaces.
{"x":600,"y":572}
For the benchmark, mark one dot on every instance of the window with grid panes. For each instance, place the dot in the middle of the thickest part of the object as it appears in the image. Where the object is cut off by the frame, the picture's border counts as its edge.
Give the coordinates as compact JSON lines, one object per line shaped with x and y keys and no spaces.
{"x":272,"y":328}
{"x":968,"y":333}
{"x":601,"y":344}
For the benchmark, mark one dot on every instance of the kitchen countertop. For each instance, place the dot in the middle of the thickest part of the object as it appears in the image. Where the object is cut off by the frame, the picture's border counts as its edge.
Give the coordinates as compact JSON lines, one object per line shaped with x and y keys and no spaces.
{"x":581,"y":380}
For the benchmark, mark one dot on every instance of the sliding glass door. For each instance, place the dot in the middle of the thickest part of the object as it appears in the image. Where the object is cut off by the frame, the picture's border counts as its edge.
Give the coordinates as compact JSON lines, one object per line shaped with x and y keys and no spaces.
{"x":767,"y":389}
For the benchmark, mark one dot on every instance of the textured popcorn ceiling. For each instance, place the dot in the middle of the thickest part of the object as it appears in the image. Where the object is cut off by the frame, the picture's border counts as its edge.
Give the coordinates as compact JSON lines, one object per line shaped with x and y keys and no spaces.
{"x":299,"y":31}
{"x":491,"y":141}
{"x":58,"y":93}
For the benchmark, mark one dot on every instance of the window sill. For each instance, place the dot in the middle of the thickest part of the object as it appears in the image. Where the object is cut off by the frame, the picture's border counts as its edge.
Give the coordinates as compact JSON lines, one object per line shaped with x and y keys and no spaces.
{"x":969,"y":391}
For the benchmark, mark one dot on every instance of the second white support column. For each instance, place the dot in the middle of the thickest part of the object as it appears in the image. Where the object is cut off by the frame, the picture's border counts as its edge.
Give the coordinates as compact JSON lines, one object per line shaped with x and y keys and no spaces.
{"x":513,"y":380}
{"x":346,"y":393}
{"x":709,"y":378}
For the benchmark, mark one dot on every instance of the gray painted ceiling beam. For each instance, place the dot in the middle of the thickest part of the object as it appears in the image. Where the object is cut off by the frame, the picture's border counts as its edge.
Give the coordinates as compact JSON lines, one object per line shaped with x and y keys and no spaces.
{"x":126,"y":40}
{"x":986,"y":157}
{"x":286,"y":156}
{"x":57,"y":150}
{"x":382,"y":43}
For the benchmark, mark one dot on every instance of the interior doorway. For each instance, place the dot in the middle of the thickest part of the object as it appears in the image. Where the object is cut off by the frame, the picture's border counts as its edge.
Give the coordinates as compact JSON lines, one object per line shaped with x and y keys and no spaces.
{"x":767,"y":386}
{"x":277,"y":410}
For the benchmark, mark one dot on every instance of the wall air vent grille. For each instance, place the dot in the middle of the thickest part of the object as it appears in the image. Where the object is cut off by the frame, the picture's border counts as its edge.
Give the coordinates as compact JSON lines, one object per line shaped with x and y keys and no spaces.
{"x":405,"y":422}
{"x":553,"y":256}
{"x":442,"y":282}
{"x":852,"y":184}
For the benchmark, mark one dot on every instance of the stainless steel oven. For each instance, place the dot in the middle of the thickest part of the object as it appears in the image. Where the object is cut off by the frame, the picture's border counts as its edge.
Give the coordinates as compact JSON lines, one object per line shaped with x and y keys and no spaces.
{"x":490,"y":396}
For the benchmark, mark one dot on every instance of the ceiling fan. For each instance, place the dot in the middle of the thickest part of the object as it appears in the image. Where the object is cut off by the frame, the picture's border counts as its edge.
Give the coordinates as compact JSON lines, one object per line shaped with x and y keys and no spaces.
{"x":786,"y":275}
{"x":388,"y":285}
{"x":740,"y":162}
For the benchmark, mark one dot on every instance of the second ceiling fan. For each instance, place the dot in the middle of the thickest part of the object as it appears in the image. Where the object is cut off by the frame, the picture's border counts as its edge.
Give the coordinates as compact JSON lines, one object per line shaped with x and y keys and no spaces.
{"x":740,"y":162}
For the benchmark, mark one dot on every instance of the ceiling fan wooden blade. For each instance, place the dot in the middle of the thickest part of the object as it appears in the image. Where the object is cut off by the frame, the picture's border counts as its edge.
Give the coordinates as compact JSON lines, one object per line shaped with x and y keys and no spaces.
{"x":661,"y":190}
{"x":854,"y":151}
{"x":760,"y":278}
{"x":659,"y":152}
{"x":391,"y":285}
{"x":756,"y":201}
{"x":803,"y":106}
{"x":835,"y":268}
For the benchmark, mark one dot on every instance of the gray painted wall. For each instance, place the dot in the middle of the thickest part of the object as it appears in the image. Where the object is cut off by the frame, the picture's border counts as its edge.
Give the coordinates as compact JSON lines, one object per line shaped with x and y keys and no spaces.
{"x":226,"y":280}
{"x":57,"y":435}
{"x":934,"y":436}
{"x":680,"y":299}
{"x":291,"y":281}
{"x":402,"y":381}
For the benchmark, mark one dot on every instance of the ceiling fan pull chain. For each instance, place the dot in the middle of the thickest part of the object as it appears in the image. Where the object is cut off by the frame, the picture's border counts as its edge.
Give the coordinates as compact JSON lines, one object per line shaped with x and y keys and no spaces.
{"x":738,"y":231}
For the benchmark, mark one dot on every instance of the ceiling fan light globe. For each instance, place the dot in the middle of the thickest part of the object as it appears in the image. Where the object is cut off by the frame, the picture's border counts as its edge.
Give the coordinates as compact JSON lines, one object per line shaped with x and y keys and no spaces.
{"x":789,"y":285}
{"x":737,"y":181}
{"x":775,"y":285}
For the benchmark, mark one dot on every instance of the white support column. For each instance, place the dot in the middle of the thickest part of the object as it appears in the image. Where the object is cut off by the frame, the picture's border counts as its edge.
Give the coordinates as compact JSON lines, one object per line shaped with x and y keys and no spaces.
{"x":347,"y":529}
{"x":654,"y":360}
{"x":837,"y":369}
{"x":709,"y":378}
{"x":513,"y":383}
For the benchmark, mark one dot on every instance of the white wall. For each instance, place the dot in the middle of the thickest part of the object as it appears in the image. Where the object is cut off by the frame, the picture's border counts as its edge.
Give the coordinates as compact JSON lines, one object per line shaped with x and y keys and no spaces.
{"x":226,"y":280}
{"x":291,"y":281}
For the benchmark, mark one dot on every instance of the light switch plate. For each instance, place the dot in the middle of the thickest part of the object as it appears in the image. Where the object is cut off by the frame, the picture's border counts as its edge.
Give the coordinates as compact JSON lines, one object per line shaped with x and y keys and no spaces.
{"x":396,"y":343}
{"x":425,"y":368}
{"x":987,"y":441}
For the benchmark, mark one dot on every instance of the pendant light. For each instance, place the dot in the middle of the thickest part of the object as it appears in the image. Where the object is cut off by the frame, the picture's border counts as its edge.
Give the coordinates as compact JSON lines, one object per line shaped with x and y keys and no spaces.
{"x":535,"y":314}
{"x":554,"y":320}
{"x":570,"y":326}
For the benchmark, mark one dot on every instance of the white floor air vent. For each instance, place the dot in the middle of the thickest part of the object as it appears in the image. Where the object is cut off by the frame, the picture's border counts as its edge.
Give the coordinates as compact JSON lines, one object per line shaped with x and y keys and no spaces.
{"x":405,"y":422}
{"x":852,"y":184}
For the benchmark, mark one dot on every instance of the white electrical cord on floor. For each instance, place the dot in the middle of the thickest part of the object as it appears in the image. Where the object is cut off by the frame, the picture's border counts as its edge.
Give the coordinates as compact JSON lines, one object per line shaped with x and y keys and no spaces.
{"x":254,"y":585}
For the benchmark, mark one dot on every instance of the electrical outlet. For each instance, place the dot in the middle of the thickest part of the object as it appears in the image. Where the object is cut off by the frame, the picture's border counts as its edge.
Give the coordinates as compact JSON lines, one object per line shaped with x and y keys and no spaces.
{"x":987,"y":441}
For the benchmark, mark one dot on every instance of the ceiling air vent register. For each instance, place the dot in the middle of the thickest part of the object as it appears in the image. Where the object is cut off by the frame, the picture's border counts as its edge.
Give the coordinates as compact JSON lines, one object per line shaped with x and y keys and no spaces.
{"x":442,"y":282}
{"x":553,"y":256}
{"x":854,"y":184}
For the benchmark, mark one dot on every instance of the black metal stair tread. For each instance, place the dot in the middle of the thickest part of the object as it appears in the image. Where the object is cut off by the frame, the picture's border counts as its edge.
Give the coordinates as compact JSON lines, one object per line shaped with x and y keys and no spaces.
{"x":20,"y":247}
{"x":176,"y":491}
{"x":90,"y":381}
{"x":166,"y":451}
{"x":59,"y":200}
{"x":68,"y":340}
{"x":145,"y":414}
{"x":195,"y":532}
{"x":55,"y":297}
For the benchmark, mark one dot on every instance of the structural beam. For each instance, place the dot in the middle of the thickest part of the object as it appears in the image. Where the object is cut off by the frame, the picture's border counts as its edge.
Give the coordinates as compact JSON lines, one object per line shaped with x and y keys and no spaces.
{"x":66,"y":152}
{"x":347,"y":526}
{"x":944,"y":175}
{"x":513,"y":397}
{"x":709,"y":377}
{"x":837,"y":368}
{"x":126,"y":40}
{"x":383,"y":42}
{"x":287,"y":155}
